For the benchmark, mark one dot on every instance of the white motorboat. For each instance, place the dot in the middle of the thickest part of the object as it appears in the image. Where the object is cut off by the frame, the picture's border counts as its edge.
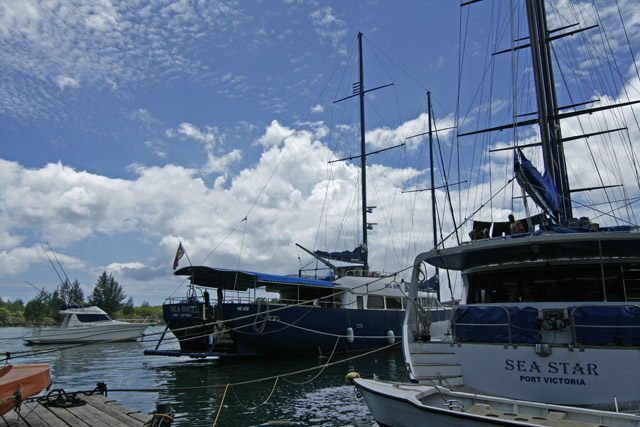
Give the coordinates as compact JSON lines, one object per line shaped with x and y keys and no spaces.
{"x":88,"y":324}
{"x":403,"y":404}
{"x":549,"y":315}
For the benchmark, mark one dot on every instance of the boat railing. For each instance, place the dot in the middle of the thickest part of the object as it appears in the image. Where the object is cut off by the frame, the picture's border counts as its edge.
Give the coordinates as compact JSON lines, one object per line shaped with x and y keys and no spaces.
{"x":584,"y":324}
{"x":617,"y":324}
{"x":433,"y":313}
{"x":147,"y":319}
{"x":495,"y":323}
{"x":239,"y":299}
{"x":316,"y":303}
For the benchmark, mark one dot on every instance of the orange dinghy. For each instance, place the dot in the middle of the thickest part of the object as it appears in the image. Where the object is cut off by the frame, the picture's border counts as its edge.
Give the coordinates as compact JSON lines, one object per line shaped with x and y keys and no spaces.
{"x":27,"y":380}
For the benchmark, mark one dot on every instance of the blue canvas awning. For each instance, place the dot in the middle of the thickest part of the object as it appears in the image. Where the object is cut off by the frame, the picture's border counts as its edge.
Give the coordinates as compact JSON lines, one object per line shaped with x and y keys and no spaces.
{"x":241,"y":280}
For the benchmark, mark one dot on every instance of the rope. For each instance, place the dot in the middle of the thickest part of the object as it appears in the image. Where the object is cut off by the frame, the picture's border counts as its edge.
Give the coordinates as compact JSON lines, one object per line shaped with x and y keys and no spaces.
{"x":301,"y":371}
{"x":260,"y":404}
{"x":321,"y":370}
{"x":221,"y":403}
{"x":261,"y":316}
{"x":273,"y":389}
{"x":327,"y":333}
{"x":158,"y":420}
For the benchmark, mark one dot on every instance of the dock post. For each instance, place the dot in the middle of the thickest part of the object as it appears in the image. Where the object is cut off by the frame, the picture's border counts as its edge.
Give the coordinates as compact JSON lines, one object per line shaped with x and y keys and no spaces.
{"x":162,"y":416}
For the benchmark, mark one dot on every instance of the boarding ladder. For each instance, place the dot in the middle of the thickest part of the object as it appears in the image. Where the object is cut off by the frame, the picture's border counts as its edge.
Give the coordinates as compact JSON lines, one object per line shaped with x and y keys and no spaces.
{"x":631,"y":282}
{"x":435,"y":368}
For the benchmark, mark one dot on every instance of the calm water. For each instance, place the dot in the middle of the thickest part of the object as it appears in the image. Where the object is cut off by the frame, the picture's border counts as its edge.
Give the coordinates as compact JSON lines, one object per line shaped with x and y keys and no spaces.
{"x":195,"y":388}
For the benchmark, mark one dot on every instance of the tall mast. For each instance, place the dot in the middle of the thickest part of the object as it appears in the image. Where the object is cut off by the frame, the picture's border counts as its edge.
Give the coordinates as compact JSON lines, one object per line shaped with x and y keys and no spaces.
{"x":363,"y":160}
{"x":553,"y":150}
{"x":433,"y":186}
{"x":358,"y":90}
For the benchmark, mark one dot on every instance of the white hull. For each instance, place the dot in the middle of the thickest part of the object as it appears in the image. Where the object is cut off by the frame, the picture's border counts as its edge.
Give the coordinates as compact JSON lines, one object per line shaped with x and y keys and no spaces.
{"x":408,"y":405}
{"x":567,"y":376}
{"x":108,"y":331}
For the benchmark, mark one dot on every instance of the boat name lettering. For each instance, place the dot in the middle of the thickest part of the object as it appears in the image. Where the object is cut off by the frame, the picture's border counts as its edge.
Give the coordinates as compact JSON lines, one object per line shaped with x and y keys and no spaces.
{"x":552,"y":380}
{"x":180,"y":308}
{"x":563,"y":368}
{"x":243,"y":308}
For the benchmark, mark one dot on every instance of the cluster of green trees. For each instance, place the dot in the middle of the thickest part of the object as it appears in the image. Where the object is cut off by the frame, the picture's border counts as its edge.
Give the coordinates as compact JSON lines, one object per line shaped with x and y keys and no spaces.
{"x":45,"y":307}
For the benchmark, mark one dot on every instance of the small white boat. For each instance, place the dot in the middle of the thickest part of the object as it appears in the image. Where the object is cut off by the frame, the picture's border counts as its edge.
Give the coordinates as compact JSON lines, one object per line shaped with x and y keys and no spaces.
{"x":404,"y":404}
{"x":87,"y":324}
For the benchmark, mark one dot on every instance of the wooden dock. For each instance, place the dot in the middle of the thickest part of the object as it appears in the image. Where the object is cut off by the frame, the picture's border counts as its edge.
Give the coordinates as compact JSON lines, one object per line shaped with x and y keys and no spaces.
{"x":99,"y":411}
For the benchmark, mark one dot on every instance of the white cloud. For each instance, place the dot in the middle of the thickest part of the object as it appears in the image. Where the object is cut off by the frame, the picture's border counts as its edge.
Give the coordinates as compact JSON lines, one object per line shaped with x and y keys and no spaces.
{"x":385,"y":137}
{"x":63,"y":82}
{"x":275,"y":135}
{"x":328,"y":26}
{"x":282,"y":196}
{"x":221,"y":164}
{"x":209,"y":136}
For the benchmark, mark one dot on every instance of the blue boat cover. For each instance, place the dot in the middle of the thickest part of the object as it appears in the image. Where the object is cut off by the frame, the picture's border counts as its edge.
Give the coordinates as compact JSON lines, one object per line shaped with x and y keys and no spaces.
{"x":491,"y":324}
{"x":607,"y":324}
{"x":540,"y":187}
{"x":432,"y":284}
{"x":354,"y":256}
{"x":241,"y":280}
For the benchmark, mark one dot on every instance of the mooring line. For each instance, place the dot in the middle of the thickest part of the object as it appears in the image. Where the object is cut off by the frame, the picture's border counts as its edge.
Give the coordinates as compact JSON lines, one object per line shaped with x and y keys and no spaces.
{"x":302,"y":371}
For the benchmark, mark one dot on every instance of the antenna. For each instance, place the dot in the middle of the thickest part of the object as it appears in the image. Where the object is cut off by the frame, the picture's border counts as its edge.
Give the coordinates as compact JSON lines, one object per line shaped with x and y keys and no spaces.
{"x":56,"y":270}
{"x":60,"y":265}
{"x":52,"y":264}
{"x":34,"y":286}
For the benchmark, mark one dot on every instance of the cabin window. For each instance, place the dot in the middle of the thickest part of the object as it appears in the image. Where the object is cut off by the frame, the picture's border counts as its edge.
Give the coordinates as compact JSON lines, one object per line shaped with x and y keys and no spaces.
{"x":548,"y":284}
{"x":394,"y":303}
{"x":375,"y":302}
{"x":360,"y":303}
{"x":85,"y":318}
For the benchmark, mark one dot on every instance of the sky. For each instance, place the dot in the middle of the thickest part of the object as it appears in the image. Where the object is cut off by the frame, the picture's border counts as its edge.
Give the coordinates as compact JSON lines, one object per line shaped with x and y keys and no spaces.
{"x":129,"y":127}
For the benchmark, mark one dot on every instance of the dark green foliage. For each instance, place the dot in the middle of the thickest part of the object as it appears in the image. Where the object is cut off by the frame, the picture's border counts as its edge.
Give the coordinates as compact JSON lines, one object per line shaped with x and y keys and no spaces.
{"x":38,"y":308}
{"x":71,"y":292}
{"x":12,"y":313}
{"x":107,"y":294}
{"x":128,"y":308}
{"x":13,"y":306}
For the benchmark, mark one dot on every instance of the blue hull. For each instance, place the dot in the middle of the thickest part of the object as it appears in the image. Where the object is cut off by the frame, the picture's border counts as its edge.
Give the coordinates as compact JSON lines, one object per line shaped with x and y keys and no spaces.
{"x":276,"y":330}
{"x":309,"y":330}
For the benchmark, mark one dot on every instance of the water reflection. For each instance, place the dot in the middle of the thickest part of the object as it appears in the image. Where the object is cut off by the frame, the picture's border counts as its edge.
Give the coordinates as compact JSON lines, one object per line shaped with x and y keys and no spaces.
{"x":302,"y":399}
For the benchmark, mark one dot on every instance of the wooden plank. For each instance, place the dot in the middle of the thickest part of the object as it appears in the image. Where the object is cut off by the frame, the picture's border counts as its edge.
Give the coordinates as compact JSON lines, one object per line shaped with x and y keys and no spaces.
{"x":37,"y":415}
{"x":55,"y":416}
{"x":127,"y":415}
{"x":69,"y":418}
{"x":97,"y":418}
{"x":99,"y":411}
{"x":124,"y":414}
{"x":9,"y":419}
{"x":26,"y":417}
